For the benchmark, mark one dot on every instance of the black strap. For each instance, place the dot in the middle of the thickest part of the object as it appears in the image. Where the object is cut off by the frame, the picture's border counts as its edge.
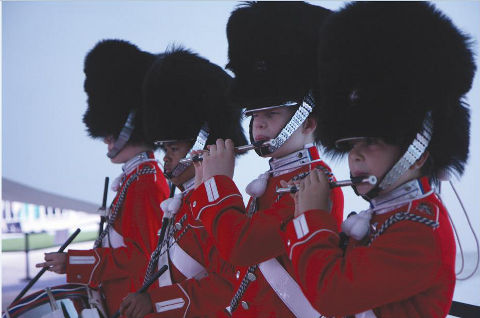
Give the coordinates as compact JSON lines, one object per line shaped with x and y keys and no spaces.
{"x":464,"y":310}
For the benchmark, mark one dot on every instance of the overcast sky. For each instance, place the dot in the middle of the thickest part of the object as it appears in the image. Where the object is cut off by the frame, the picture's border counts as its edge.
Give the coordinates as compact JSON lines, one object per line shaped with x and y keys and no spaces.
{"x":43,"y":46}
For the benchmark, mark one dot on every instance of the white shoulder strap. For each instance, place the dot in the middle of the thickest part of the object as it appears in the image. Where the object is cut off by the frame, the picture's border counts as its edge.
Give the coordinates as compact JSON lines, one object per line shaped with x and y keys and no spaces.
{"x":165,"y":279}
{"x":366,"y":314}
{"x":113,"y":237}
{"x":186,"y":264}
{"x":287,"y":289}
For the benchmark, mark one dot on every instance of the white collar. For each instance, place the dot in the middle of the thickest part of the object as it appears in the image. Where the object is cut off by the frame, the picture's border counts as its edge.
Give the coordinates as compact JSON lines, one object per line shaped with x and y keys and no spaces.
{"x":291,"y":162}
{"x":134,"y":162}
{"x":407,"y":192}
{"x":188,"y":185}
{"x":128,"y":167}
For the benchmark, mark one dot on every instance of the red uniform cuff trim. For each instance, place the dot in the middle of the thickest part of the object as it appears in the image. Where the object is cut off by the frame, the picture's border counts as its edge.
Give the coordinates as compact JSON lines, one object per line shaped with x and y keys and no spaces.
{"x":168,"y":298}
{"x":81,"y":265}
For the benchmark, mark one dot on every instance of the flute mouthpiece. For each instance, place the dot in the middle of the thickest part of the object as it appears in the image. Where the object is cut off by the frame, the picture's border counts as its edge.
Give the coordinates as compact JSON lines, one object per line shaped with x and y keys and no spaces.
{"x":371,"y":179}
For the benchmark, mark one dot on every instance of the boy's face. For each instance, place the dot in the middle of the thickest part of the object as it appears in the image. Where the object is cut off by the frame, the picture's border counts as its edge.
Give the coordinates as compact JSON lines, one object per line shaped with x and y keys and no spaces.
{"x":124,"y":155}
{"x":371,"y":156}
{"x":110,"y":141}
{"x":268,"y":123}
{"x":174,"y":151}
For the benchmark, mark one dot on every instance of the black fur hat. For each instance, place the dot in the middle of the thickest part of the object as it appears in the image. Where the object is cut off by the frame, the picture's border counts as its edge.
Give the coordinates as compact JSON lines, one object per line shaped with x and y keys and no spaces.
{"x":114,"y":73}
{"x":182,"y":91}
{"x":383,"y":66}
{"x":272,"y":49}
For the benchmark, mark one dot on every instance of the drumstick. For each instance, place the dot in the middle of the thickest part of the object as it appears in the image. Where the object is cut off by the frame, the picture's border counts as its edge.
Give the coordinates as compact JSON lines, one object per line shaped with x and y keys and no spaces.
{"x":146,"y":285}
{"x":105,"y":193}
{"x":43,"y":270}
{"x":104,"y":206}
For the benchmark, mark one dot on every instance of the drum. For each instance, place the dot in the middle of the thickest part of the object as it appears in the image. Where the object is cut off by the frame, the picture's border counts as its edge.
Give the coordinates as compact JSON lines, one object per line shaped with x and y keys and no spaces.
{"x":70,"y":299}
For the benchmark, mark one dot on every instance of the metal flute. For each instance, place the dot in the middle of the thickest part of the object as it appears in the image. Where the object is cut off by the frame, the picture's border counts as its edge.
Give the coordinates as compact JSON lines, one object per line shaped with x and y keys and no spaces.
{"x":343,"y":183}
{"x":239,"y":149}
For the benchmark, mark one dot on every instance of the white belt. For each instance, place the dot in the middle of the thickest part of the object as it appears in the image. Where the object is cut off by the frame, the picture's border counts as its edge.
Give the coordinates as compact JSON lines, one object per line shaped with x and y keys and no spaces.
{"x":287,"y":289}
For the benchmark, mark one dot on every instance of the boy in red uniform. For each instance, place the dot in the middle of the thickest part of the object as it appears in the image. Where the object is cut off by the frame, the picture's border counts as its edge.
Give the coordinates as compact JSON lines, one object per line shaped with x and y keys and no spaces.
{"x":114,"y":72}
{"x":272,"y":49}
{"x":393,"y":76}
{"x":185,"y":108}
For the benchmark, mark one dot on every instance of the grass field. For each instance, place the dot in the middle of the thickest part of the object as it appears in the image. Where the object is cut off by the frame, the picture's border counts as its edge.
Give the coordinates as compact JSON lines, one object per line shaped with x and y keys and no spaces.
{"x":41,"y":240}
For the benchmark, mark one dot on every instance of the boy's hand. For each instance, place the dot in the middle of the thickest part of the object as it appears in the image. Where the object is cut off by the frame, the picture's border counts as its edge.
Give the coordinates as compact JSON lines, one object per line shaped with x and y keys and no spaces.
{"x":55,"y":262}
{"x":220,"y":160}
{"x":313,"y":193}
{"x":198,"y":168}
{"x":294,"y":196}
{"x":136,"y":305}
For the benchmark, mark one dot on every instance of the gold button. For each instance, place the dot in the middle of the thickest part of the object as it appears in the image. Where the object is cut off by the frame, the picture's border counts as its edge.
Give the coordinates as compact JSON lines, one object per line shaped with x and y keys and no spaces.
{"x":237,"y":275}
{"x":244,"y":305}
{"x":289,"y":243}
{"x":194,"y":204}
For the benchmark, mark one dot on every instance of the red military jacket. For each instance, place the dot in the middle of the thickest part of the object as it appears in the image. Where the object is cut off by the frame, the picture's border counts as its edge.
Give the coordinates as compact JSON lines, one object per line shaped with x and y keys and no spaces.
{"x":195,"y":284}
{"x":405,"y":267}
{"x":118,"y":267}
{"x":246,"y":241}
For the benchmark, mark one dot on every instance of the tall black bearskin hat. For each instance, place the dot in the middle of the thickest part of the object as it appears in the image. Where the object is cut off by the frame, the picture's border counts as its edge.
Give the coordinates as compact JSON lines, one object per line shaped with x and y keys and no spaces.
{"x":114,"y":73}
{"x":182,"y":92}
{"x":272,"y":49}
{"x":383,"y":66}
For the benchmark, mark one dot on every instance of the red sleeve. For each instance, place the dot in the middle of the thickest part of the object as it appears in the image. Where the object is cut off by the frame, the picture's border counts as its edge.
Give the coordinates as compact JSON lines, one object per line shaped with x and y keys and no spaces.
{"x":400,"y":263}
{"x":139,"y":223}
{"x":143,"y":216}
{"x":219,"y":204}
{"x":197,"y":297}
{"x":192,"y":298}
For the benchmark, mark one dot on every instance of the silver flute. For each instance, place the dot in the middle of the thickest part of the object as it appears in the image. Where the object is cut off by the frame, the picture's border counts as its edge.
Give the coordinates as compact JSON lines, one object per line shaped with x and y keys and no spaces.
{"x":342,"y":183}
{"x":239,"y":149}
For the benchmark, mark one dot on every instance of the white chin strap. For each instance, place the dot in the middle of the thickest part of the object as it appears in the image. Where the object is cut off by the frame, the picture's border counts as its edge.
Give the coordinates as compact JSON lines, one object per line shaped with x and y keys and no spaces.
{"x":199,"y":144}
{"x":124,"y":136}
{"x":301,"y":114}
{"x":414,"y":152}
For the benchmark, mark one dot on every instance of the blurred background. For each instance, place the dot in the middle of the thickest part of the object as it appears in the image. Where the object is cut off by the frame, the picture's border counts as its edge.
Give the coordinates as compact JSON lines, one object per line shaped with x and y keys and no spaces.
{"x":53,"y":174}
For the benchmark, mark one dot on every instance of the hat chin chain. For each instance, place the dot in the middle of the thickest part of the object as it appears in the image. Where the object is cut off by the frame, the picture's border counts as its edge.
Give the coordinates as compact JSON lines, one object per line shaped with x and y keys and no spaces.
{"x":199,"y":144}
{"x":296,"y":121}
{"x":414,"y":152}
{"x":124,"y":135}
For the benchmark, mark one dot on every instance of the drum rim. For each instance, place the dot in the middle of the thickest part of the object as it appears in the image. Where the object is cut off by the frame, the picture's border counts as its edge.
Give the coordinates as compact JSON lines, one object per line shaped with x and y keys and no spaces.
{"x":16,"y":307}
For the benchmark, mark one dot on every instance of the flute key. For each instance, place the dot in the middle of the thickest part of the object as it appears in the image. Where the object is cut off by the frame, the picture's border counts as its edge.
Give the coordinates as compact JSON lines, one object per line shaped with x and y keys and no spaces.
{"x":342,"y":183}
{"x":239,"y":149}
